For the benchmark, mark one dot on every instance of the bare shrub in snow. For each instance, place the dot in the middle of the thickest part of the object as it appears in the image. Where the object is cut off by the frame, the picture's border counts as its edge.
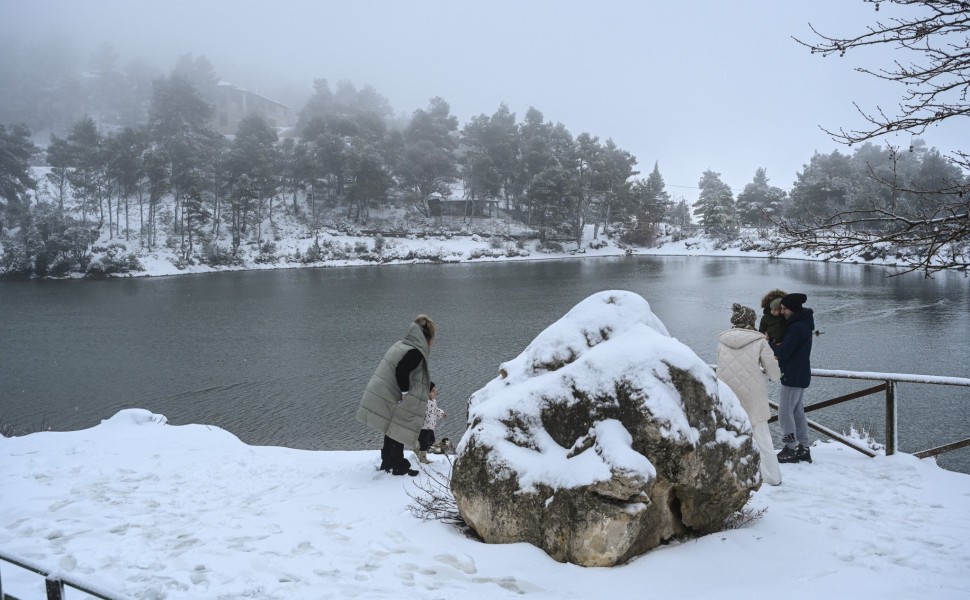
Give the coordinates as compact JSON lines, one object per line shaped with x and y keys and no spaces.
{"x":741,"y":518}
{"x":432,"y":500}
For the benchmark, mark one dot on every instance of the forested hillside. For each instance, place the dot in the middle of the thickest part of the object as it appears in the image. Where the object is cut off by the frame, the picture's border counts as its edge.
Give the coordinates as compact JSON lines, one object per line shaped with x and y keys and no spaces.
{"x":133,"y":162}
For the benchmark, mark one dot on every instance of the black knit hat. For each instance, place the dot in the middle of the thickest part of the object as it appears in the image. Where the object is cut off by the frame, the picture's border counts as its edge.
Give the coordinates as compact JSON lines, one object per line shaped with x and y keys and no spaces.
{"x":742,"y":316}
{"x":793,"y":302}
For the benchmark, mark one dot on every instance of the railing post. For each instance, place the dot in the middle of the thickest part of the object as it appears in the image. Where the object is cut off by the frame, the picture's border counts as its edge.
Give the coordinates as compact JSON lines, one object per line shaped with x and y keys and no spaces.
{"x":55,"y":589}
{"x":891,"y":440}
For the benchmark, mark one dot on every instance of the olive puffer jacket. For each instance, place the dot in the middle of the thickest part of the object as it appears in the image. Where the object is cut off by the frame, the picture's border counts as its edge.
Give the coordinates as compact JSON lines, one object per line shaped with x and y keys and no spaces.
{"x":382,"y":407}
{"x":773,"y":325}
{"x":741,"y":354}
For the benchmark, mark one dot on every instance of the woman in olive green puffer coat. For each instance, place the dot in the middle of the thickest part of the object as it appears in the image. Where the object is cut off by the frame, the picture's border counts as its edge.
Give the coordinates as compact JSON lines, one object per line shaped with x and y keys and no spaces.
{"x":396,"y":398}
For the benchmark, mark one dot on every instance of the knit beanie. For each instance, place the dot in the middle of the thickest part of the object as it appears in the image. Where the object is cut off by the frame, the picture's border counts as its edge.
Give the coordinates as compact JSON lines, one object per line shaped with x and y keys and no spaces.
{"x":742,"y":316}
{"x":775,"y":304}
{"x":793,"y":302}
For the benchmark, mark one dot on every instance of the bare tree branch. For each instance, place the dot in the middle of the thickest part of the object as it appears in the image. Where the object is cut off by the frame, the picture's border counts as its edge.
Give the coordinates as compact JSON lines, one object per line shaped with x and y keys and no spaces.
{"x":936,"y":81}
{"x":931,"y":234}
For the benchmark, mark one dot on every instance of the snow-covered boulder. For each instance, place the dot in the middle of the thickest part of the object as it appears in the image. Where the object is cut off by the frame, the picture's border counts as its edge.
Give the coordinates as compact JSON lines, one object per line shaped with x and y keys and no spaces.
{"x":603,"y":439}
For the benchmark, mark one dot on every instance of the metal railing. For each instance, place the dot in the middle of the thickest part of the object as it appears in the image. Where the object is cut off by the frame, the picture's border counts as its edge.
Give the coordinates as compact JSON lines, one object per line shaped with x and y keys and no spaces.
{"x":888,"y":386}
{"x":55,"y":585}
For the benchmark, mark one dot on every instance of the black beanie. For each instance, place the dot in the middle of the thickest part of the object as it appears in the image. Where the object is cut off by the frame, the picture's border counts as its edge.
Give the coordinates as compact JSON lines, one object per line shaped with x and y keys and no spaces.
{"x":793,"y":302}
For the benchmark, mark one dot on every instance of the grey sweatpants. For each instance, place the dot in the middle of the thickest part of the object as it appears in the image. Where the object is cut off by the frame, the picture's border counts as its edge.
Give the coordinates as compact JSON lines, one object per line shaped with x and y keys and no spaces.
{"x":791,"y":417}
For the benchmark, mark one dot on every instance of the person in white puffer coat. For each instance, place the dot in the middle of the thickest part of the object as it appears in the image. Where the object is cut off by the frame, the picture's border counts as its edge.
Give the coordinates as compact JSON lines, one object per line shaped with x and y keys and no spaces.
{"x":426,"y":437}
{"x":744,"y":359}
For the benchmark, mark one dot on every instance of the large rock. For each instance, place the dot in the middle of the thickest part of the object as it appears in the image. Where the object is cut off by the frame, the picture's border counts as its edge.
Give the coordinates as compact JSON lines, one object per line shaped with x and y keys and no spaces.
{"x":603,"y":439}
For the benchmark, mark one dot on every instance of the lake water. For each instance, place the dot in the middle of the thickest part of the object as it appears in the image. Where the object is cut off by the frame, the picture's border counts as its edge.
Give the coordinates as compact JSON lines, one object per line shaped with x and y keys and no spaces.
{"x":281,"y":357}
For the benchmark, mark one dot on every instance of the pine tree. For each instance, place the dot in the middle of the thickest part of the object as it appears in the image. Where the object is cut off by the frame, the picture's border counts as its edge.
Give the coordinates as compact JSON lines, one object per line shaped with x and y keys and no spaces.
{"x":759,"y":201}
{"x":715,"y":205}
{"x":253,"y":154}
{"x":15,"y":178}
{"x":429,"y":164}
{"x":87,"y":173}
{"x":179,"y":126}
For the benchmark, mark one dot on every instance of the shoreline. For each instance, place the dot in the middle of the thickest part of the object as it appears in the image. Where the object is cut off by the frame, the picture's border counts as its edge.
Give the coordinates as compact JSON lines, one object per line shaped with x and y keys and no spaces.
{"x":162,"y":264}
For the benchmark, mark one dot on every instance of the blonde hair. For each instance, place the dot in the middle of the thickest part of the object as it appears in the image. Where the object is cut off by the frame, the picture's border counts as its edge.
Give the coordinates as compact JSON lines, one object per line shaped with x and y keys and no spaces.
{"x":427,"y":326}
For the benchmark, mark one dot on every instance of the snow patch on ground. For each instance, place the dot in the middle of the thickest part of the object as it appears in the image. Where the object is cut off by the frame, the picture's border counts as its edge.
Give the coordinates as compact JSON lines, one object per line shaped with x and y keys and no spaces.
{"x":142,"y":509}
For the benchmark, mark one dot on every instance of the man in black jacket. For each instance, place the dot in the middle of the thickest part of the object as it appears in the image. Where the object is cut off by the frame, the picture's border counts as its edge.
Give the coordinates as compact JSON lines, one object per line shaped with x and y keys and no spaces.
{"x":796,"y":374}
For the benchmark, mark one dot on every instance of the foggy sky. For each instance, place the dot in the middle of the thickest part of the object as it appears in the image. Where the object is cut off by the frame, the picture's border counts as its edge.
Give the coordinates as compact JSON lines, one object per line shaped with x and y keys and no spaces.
{"x":694,"y":85}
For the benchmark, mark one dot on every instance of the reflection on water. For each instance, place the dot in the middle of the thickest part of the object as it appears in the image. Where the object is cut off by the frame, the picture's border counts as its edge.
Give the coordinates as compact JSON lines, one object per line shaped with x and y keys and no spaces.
{"x":281,"y":357}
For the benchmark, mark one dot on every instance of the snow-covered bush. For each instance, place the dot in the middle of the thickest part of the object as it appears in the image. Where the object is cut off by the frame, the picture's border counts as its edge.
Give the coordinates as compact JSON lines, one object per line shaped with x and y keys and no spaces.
{"x":267,"y":254}
{"x":15,"y":261}
{"x":313,"y":254}
{"x":380,"y":243}
{"x":513,"y":250}
{"x":485,"y":253}
{"x":550,"y":247}
{"x":644,"y":236}
{"x":876,"y":252}
{"x":216,"y":255}
{"x":114,"y":260}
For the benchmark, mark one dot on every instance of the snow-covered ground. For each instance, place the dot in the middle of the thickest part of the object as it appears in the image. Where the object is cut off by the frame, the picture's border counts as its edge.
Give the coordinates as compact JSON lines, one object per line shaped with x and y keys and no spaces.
{"x":141,"y":509}
{"x":288,"y":243}
{"x":440,"y":248}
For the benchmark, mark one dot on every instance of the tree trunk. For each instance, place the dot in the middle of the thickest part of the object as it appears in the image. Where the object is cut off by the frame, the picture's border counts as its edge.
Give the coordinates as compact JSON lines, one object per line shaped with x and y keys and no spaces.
{"x":141,"y":217}
{"x":235,"y":230}
{"x":177,"y":219}
{"x":150,"y":231}
{"x":259,"y":220}
{"x":110,"y":223}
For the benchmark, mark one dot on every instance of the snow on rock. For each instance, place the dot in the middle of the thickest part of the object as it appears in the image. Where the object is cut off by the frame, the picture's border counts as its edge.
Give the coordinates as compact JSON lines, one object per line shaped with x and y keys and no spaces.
{"x":134,"y":416}
{"x":603,"y":439}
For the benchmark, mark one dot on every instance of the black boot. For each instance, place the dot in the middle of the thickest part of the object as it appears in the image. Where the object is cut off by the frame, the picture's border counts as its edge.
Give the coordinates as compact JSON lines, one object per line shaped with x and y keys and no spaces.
{"x":386,"y":461}
{"x":803,"y":454}
{"x":787,"y":455}
{"x":403,"y":467}
{"x":392,"y":453}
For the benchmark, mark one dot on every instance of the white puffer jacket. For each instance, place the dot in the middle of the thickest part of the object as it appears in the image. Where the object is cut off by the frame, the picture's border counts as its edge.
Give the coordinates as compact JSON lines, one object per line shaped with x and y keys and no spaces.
{"x":434,"y":413}
{"x":741,"y":356}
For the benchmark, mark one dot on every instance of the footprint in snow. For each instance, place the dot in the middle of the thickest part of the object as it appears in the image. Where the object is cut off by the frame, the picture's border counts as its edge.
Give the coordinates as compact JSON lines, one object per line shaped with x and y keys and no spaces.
{"x":465,"y":565}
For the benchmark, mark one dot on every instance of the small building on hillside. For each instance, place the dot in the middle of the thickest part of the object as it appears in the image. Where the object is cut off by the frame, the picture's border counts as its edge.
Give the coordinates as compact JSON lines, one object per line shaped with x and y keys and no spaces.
{"x":233,"y":103}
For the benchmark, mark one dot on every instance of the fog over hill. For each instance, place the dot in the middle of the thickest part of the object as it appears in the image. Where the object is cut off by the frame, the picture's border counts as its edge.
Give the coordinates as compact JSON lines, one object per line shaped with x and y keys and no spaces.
{"x":702,"y":86}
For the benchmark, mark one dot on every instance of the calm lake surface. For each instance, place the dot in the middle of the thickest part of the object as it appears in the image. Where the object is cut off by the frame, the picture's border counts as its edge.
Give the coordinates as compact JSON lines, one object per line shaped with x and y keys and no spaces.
{"x":281,"y":357}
